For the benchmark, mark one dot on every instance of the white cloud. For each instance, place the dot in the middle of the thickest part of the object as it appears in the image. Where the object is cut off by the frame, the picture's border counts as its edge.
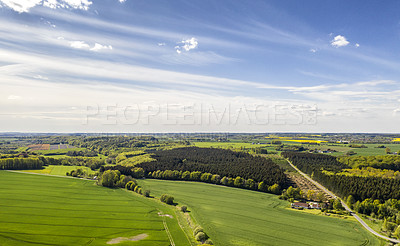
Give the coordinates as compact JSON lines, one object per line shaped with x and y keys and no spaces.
{"x":357,"y":45}
{"x":187,"y":45}
{"x":79,"y":45}
{"x":122,"y":1}
{"x":190,"y":44}
{"x":98,"y":47}
{"x":21,"y":6}
{"x":313,"y":50}
{"x":84,"y":45}
{"x":161,"y":44}
{"x":74,"y":4}
{"x":13,"y":97}
{"x":339,"y":41}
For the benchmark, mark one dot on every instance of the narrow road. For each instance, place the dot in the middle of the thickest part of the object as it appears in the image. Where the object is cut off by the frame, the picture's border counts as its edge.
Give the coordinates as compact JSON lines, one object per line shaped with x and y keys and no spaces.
{"x":345,"y":206}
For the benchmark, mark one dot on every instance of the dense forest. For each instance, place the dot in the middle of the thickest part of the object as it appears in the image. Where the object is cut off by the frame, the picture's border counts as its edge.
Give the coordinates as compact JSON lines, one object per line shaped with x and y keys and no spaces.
{"x":217,"y":161}
{"x":324,"y":169}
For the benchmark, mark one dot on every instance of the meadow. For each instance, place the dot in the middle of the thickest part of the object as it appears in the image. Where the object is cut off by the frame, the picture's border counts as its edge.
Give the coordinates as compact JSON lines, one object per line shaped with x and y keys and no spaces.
{"x":341,"y":149}
{"x":59,"y":170}
{"x":47,"y":210}
{"x":233,"y":216}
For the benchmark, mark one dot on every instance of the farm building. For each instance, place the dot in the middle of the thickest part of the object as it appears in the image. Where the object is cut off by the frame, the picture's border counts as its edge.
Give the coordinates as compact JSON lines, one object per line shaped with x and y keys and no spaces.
{"x":300,"y":205}
{"x":315,"y":205}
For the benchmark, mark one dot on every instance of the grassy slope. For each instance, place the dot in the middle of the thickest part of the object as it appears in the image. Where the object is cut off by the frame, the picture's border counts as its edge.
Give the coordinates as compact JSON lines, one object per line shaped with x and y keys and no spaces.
{"x":59,"y":170}
{"x":46,"y":210}
{"x":241,"y":217}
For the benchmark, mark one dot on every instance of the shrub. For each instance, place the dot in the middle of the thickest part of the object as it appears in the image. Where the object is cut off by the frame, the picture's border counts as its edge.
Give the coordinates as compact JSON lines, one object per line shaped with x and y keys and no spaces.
{"x":209,"y":242}
{"x":184,"y":209}
{"x":167,"y":199}
{"x":201,"y":236}
{"x":197,"y":230}
{"x":128,"y":185}
{"x":146,"y":193}
{"x":163,"y":197}
{"x":170,"y":200}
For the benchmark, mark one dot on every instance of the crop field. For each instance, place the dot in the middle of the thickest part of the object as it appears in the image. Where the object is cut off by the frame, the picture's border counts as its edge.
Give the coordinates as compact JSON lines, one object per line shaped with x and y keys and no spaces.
{"x":341,"y":149}
{"x":46,"y":210}
{"x":55,"y":152}
{"x":224,"y":145}
{"x":233,"y":216}
{"x":35,"y":147}
{"x":59,"y":170}
{"x":370,"y":150}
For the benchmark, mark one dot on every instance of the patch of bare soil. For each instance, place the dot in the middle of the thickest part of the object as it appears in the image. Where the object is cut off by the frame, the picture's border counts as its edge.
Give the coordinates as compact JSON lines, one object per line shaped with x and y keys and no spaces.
{"x":165,"y":215}
{"x":306,"y":185}
{"x":123,"y":239}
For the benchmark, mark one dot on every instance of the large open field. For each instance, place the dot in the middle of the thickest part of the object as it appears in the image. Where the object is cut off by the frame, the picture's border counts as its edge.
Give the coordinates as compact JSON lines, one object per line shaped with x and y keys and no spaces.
{"x":341,"y":149}
{"x":240,"y":217}
{"x":59,"y":170}
{"x":46,"y":210}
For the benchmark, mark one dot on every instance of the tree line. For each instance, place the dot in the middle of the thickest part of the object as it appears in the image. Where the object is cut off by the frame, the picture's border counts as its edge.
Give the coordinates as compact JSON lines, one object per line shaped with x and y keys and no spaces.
{"x":238,"y":181}
{"x":21,"y":163}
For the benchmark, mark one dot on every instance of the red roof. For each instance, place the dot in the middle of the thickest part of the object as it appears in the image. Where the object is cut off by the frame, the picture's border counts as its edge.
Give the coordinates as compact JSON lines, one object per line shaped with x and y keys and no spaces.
{"x":300,"y":204}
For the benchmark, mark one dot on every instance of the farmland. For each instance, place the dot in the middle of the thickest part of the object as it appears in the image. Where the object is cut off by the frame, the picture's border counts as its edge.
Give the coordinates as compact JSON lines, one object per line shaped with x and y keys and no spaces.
{"x":46,"y":210}
{"x":335,"y":148}
{"x":59,"y":170}
{"x":241,"y":217}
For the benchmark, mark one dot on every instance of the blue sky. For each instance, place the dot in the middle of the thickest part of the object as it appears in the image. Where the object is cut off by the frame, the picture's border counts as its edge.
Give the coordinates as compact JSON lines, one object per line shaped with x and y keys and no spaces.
{"x":199,"y":66}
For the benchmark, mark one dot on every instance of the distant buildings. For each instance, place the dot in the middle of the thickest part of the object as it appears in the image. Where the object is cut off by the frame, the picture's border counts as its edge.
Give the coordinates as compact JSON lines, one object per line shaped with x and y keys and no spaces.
{"x":304,"y":205}
{"x":300,"y":205}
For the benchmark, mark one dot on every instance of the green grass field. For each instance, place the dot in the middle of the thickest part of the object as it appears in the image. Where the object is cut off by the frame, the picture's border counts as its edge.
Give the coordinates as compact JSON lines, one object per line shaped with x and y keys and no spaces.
{"x":240,"y":217}
{"x":340,"y":148}
{"x":59,"y":170}
{"x":224,"y":145}
{"x":47,"y":210}
{"x":58,"y":151}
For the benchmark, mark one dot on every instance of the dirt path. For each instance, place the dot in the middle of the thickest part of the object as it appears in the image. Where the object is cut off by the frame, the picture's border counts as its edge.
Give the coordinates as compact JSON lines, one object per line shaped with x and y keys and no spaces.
{"x":345,"y":206}
{"x":124,"y":239}
{"x":166,"y":228}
